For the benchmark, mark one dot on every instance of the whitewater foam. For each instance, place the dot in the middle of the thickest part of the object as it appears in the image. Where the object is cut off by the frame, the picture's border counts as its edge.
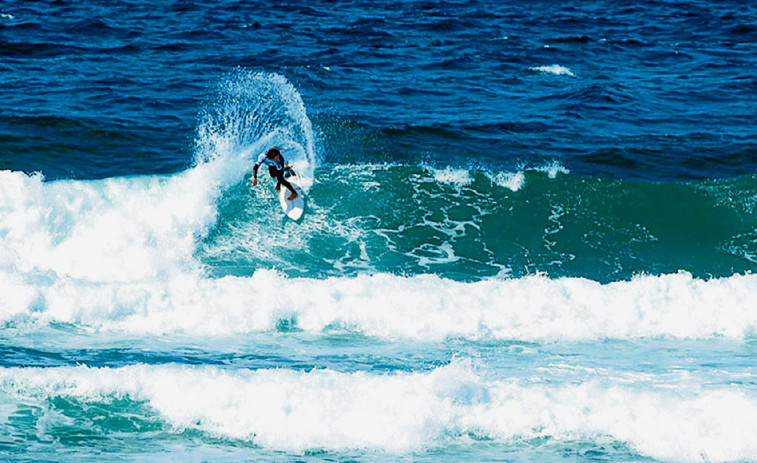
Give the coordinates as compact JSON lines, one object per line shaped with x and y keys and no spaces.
{"x":119,"y":229}
{"x":513,"y":181}
{"x":448,"y":175}
{"x":404,"y":412}
{"x":554,"y":69}
{"x":423,"y":307}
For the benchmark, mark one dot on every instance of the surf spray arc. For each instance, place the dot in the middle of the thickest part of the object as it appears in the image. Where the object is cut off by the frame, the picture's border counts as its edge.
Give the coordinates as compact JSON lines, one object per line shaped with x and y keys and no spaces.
{"x":249,"y":113}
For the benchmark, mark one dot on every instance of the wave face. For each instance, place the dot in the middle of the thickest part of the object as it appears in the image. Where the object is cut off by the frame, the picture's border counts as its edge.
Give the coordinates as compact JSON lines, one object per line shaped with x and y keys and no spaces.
{"x":461,"y":224}
{"x":468,"y":224}
{"x":530,"y":235}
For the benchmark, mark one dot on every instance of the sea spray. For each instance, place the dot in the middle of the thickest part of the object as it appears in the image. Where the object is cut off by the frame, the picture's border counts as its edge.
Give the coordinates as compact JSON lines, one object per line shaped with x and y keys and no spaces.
{"x":249,"y":113}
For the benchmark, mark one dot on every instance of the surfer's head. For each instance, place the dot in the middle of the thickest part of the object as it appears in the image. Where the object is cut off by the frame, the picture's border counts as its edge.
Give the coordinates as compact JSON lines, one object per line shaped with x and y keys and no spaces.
{"x":273,"y":153}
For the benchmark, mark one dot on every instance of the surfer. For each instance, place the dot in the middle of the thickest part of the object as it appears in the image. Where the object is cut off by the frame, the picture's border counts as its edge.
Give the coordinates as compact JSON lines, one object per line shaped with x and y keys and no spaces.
{"x":276,"y":167}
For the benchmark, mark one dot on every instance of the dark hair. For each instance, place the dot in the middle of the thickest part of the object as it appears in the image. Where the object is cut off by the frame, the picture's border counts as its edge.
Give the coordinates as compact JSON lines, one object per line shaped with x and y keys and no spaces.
{"x":272,"y":153}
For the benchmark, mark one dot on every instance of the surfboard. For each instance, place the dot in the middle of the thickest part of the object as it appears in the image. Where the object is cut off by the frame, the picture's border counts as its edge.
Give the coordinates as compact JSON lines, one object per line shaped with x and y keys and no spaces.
{"x":293,"y":209}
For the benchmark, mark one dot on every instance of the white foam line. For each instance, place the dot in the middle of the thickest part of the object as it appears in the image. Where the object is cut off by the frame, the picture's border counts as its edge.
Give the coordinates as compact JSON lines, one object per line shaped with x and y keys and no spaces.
{"x":554,"y":69}
{"x":405,"y":412}
{"x":120,"y":229}
{"x":423,"y":307}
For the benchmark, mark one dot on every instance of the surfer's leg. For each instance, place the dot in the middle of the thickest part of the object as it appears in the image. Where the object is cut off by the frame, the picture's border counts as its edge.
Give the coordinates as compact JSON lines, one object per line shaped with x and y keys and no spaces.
{"x":277,"y":175}
{"x":282,"y":181}
{"x":290,"y":187}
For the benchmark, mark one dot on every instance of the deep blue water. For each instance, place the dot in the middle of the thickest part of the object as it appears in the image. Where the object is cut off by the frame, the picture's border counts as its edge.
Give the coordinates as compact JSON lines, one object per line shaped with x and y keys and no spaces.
{"x":661,"y":90}
{"x":530,"y":235}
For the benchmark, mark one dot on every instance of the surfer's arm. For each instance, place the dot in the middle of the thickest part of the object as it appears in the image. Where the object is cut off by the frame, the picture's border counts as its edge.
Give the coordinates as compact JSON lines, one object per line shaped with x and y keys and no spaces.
{"x":255,"y":168}
{"x":255,"y":174}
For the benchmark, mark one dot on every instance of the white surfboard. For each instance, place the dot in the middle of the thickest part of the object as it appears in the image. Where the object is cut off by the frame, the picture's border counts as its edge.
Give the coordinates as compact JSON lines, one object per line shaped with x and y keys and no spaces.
{"x":293,"y":209}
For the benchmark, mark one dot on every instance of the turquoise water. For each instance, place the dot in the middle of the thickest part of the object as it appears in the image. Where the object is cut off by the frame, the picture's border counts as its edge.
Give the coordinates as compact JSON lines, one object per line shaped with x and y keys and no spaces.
{"x":530,"y":232}
{"x":468,"y":224}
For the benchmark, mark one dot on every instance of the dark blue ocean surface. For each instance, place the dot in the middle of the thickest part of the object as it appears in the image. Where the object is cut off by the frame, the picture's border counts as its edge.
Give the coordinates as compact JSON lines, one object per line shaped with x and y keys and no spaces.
{"x":652,"y":90}
{"x":530,"y":231}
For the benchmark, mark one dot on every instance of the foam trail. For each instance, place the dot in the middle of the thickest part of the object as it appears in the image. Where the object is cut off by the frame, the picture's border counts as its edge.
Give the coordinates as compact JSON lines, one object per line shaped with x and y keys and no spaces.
{"x":424,"y":307}
{"x":323,"y":409}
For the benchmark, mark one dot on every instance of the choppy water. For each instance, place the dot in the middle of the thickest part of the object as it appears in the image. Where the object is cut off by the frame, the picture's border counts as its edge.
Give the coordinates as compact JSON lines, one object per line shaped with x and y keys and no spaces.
{"x":531,"y":231}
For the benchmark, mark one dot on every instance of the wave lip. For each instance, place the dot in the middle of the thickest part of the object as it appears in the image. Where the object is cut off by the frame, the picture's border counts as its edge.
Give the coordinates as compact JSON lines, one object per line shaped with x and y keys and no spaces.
{"x":405,"y":412}
{"x":513,"y":181}
{"x":509,"y":180}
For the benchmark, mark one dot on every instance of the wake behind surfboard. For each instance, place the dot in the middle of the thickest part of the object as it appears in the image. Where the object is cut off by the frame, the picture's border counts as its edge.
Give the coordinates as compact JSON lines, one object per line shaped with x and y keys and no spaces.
{"x":294,"y":208}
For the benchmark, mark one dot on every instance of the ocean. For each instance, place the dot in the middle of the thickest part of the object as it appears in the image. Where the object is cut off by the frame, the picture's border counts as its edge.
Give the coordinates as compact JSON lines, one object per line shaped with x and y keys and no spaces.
{"x":530,"y":234}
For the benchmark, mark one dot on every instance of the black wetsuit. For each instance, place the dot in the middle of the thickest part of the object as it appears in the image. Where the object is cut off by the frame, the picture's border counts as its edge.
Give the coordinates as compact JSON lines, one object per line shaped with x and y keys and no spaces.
{"x":275,"y":168}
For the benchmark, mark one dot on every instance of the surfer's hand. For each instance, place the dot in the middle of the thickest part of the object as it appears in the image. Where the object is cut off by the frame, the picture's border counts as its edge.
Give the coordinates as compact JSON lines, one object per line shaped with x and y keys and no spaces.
{"x":254,"y":181}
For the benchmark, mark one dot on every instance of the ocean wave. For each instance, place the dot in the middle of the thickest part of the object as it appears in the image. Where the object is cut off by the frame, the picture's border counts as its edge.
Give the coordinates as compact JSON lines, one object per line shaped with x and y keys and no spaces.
{"x":152,"y":225}
{"x":465,"y":223}
{"x":122,"y":255}
{"x":405,"y":412}
{"x":424,"y":307}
